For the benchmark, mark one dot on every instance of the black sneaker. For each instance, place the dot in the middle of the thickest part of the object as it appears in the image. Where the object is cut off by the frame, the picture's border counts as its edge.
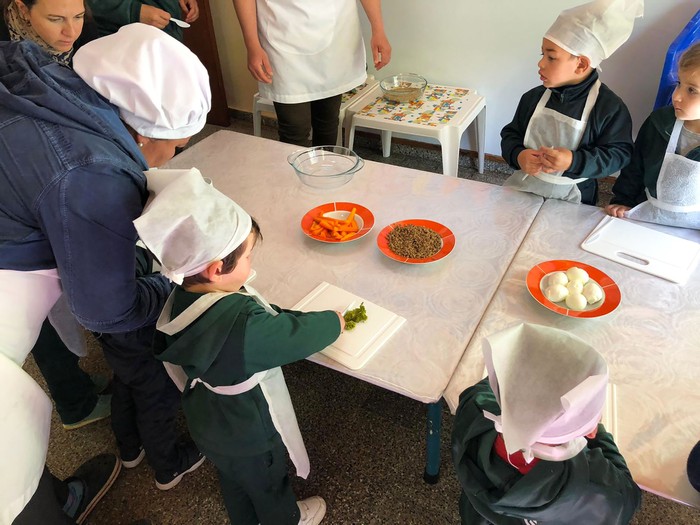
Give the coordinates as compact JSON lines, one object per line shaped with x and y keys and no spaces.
{"x":190,"y":460}
{"x":133,"y":458}
{"x":97,"y":475}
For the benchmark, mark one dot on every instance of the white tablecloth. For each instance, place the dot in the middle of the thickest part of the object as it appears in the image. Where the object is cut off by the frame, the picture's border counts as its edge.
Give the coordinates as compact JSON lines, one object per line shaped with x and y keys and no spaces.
{"x":651,"y":343}
{"x":442,"y":302}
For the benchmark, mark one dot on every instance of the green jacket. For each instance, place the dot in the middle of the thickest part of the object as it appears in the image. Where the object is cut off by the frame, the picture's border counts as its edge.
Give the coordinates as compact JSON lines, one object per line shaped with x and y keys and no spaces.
{"x":606,"y":145}
{"x":593,"y":488}
{"x":110,"y":15}
{"x":649,"y":151}
{"x":230,"y":342}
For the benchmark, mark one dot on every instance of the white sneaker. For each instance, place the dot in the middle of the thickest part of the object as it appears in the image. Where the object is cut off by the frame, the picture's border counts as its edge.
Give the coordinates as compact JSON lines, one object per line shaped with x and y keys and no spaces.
{"x":312,"y":509}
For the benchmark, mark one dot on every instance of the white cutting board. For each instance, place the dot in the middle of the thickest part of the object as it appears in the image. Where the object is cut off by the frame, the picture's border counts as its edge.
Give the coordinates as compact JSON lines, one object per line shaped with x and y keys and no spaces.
{"x":354,"y":347}
{"x":644,"y":249}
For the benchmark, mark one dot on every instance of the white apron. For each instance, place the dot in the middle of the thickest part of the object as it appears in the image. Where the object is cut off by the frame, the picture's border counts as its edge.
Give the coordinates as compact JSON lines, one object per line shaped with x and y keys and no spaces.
{"x":271,"y":381}
{"x":25,"y":410}
{"x":315,"y":48}
{"x":67,"y":327}
{"x":677,"y":201}
{"x":549,"y":128}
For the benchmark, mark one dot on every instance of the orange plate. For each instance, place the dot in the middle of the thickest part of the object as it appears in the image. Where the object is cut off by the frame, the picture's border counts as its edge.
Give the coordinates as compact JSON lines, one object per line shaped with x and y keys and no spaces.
{"x":448,"y":241}
{"x":339,"y":210}
{"x":610,"y":301}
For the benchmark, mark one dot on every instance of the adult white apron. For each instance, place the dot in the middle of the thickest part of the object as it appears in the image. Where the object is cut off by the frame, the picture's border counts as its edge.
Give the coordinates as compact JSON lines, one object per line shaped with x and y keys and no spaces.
{"x":67,"y":327}
{"x":315,"y":48}
{"x":549,"y":128}
{"x":25,"y":410}
{"x":271,"y":381}
{"x":677,"y":201}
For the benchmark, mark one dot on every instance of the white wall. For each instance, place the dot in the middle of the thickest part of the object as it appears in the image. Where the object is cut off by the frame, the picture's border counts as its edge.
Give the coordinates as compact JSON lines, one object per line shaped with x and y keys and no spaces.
{"x":491,"y":45}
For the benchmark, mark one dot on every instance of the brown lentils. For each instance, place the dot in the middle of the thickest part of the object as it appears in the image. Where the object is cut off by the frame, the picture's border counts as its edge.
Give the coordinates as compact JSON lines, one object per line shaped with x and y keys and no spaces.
{"x":415,"y":242}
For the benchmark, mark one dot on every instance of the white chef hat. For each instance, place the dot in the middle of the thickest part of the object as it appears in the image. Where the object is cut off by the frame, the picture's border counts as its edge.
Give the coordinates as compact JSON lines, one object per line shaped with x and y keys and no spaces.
{"x":160,"y":87}
{"x":551,"y":388}
{"x":596,"y":29}
{"x":189,"y":224}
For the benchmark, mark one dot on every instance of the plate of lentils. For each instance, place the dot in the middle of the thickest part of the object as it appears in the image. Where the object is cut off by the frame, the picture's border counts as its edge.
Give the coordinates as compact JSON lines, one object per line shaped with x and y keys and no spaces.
{"x":416,"y":241}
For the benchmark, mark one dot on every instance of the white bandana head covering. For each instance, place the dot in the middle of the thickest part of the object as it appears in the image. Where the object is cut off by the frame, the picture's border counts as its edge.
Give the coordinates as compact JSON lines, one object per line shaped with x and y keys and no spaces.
{"x":189,"y":224}
{"x":596,"y":29}
{"x":551,"y":388}
{"x":160,"y":87}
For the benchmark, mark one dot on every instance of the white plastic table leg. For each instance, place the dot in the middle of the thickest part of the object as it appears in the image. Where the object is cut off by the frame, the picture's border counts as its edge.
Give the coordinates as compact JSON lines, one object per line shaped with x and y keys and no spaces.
{"x":386,"y":143}
{"x":481,"y":137}
{"x":449,"y":143}
{"x":339,"y":137}
{"x":351,"y":136}
{"x":257,"y":119}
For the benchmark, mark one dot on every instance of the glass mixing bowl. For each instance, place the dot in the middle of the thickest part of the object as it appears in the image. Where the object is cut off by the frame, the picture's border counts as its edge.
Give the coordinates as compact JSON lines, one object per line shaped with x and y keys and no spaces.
{"x":404,"y":87}
{"x":325,"y":166}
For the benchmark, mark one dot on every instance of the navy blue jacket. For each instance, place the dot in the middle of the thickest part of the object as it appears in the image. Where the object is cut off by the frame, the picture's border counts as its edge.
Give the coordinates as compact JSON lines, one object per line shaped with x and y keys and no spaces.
{"x":606,"y":145}
{"x":72,"y":183}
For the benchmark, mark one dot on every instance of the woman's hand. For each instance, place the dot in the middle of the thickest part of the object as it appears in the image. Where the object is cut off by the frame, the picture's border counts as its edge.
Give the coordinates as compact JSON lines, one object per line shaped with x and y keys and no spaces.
{"x":259,"y":65}
{"x":190,"y":9}
{"x":154,"y":17}
{"x":381,"y":50}
{"x":616,"y":210}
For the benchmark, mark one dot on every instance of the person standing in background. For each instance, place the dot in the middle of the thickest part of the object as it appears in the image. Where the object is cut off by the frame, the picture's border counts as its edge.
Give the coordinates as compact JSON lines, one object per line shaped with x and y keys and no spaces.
{"x":305,"y":54}
{"x":110,"y":15}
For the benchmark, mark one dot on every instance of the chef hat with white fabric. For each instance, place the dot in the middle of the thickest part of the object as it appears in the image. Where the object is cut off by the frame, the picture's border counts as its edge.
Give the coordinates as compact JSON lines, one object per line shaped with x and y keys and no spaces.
{"x":160,"y":87}
{"x":551,"y":388}
{"x":596,"y":29}
{"x":189,"y":224}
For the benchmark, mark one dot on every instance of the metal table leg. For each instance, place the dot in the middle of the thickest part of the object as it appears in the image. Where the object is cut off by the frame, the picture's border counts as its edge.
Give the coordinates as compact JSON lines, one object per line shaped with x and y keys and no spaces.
{"x":432,"y":468}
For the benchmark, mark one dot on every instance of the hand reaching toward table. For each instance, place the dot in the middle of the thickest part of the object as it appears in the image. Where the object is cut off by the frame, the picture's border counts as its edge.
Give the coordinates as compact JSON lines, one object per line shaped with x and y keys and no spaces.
{"x":617,"y":210}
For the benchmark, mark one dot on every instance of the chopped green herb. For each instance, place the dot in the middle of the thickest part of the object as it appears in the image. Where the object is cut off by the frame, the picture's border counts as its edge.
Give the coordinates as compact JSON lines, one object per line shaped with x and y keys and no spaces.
{"x":352,"y":317}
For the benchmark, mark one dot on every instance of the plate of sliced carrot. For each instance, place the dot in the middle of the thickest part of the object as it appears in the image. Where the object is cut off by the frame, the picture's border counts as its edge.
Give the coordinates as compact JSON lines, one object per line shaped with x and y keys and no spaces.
{"x":337,"y":222}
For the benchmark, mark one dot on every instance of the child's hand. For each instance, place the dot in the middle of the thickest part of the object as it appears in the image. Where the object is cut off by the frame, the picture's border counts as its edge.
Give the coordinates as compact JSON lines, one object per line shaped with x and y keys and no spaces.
{"x":616,"y":210}
{"x":530,"y":161}
{"x":342,"y":321}
{"x":556,"y":159}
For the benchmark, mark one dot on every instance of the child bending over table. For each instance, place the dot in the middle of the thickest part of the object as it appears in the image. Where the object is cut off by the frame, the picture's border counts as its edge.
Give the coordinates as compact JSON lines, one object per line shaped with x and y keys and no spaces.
{"x":527,"y":443}
{"x":573,"y":129}
{"x":662,"y":183}
{"x":224,"y":345}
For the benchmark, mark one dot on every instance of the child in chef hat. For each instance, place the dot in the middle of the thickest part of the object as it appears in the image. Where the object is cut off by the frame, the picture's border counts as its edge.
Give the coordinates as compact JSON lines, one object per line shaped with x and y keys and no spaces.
{"x":573,"y":129}
{"x":527,"y":443}
{"x":224,"y":344}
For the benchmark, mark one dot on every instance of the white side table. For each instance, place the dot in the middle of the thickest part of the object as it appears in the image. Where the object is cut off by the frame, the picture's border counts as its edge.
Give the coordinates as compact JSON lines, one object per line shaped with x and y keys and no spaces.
{"x":443,"y":112}
{"x":261,"y":104}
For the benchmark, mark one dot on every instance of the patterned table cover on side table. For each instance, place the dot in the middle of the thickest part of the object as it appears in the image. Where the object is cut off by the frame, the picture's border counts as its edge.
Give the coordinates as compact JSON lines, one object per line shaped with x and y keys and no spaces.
{"x":437,"y":106}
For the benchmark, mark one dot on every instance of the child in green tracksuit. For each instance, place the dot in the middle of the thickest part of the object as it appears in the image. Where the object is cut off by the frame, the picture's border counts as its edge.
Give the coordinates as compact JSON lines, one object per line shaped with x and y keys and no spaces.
{"x":527,"y":444}
{"x":662,"y":183}
{"x":225,"y":344}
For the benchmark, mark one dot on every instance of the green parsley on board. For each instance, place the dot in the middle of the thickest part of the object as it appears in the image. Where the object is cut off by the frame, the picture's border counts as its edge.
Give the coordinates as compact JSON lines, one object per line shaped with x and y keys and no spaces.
{"x":357,"y":315}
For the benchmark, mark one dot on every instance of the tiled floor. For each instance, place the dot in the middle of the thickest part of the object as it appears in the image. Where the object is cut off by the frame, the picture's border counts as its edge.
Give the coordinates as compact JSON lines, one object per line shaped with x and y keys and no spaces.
{"x":366,"y":445}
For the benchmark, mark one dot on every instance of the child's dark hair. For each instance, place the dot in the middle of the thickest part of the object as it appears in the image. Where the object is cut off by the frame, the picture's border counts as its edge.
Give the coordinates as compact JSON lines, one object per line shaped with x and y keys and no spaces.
{"x":230,"y":261}
{"x":690,"y":59}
